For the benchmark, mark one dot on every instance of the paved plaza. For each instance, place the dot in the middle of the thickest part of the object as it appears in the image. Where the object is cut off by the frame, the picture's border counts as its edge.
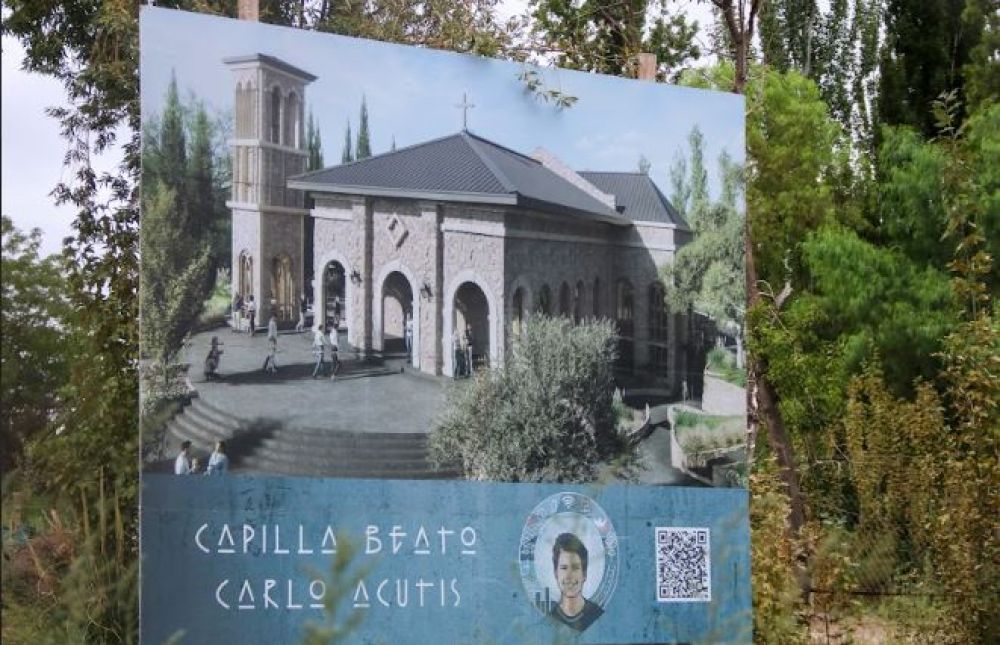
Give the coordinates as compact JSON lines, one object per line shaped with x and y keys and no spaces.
{"x":367,"y":396}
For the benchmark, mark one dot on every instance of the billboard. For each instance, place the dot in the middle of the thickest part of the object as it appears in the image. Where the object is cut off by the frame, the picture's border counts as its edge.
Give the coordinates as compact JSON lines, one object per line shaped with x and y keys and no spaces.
{"x":428,"y":355}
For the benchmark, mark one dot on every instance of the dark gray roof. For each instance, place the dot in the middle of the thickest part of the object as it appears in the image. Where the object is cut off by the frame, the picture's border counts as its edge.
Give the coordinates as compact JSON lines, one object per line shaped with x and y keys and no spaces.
{"x":462,"y":168}
{"x":273,"y":62}
{"x":636,"y":196}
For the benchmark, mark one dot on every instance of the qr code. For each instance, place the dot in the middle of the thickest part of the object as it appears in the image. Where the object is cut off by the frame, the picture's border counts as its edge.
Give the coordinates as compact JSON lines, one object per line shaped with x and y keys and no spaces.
{"x":683,"y":571}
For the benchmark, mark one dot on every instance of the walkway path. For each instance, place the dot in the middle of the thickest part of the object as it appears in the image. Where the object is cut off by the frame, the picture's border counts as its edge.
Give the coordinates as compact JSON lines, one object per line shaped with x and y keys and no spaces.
{"x":366,"y":396}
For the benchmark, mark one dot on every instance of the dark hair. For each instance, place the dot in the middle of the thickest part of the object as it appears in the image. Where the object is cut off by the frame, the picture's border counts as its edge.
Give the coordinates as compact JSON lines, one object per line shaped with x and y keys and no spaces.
{"x":185,"y":445}
{"x":571,"y":544}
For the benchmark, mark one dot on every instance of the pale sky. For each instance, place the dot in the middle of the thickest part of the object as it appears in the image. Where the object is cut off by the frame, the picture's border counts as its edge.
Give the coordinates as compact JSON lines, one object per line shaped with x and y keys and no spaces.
{"x":411,"y":96}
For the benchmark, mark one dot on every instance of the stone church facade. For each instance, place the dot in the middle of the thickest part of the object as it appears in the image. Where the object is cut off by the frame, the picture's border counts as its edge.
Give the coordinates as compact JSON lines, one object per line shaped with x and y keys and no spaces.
{"x":452,"y":233}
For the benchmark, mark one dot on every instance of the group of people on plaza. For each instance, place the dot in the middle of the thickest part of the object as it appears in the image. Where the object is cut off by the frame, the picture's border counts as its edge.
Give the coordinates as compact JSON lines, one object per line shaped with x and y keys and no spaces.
{"x":320,"y":344}
{"x":186,"y":464}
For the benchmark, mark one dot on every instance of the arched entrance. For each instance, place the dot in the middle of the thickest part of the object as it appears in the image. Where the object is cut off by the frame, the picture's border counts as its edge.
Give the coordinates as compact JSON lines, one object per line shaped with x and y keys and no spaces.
{"x":471,"y":315}
{"x":334,"y":294}
{"x":397,"y":308}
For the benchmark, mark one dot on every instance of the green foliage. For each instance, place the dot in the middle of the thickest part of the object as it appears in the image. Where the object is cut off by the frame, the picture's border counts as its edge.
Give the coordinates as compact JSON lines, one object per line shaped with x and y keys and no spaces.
{"x":773,"y":555}
{"x":911,"y":195}
{"x":875,"y":299}
{"x":33,"y":336}
{"x":345,"y":574}
{"x":545,"y":415}
{"x":605,"y":38}
{"x":926,"y":50}
{"x":723,"y":363}
{"x":790,"y":140}
{"x":981,"y":19}
{"x":707,"y":274}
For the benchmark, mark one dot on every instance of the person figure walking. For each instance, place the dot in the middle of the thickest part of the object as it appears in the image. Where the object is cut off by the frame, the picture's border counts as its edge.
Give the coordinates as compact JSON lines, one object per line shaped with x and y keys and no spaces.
{"x":218,"y":462}
{"x":468,"y":340}
{"x":458,"y":368}
{"x":252,"y":314}
{"x":182,"y":465}
{"x":336,"y":312}
{"x":212,"y":360}
{"x":334,"y":353}
{"x":237,"y":312}
{"x":408,"y":336}
{"x":271,"y":362}
{"x":303,"y":306}
{"x":318,"y":350}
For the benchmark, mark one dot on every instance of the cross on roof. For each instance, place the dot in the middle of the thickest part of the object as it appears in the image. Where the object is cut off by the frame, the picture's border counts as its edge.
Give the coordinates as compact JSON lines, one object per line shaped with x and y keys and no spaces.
{"x":465,"y":105}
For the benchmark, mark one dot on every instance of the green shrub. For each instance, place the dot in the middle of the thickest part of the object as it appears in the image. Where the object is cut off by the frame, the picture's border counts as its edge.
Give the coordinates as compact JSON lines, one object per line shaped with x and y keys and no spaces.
{"x":547,"y":414}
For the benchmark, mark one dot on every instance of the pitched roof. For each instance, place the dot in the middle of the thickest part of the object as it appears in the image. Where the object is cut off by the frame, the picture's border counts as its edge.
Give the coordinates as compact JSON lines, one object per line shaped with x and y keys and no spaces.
{"x":636,"y":196}
{"x":461,"y":168}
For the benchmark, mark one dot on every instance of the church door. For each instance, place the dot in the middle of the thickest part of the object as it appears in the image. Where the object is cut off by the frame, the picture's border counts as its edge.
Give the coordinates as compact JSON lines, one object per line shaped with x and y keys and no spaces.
{"x":472,"y":320}
{"x":397,"y":309}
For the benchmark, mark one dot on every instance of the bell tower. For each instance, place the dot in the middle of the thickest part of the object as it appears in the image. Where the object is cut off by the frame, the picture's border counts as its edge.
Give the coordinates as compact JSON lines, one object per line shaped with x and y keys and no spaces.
{"x":269,"y":219}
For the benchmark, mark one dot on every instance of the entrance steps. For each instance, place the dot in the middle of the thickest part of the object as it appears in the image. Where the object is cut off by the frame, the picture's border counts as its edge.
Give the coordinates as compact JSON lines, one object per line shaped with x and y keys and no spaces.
{"x":268,"y":448}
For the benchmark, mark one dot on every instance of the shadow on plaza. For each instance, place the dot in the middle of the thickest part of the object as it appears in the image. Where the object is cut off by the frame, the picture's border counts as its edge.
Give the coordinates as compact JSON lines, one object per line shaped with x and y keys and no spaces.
{"x":304,"y":372}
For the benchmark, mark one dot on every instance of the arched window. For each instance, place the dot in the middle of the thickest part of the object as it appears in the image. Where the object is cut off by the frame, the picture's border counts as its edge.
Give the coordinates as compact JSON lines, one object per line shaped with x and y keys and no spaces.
{"x":283,"y":296}
{"x":578,"y":302}
{"x":274,"y":131}
{"x":517,"y":318}
{"x":565,"y":306}
{"x":245,"y":284}
{"x":291,"y":137}
{"x":659,"y":319}
{"x":624,"y":308}
{"x":597,"y":297}
{"x":544,"y":301}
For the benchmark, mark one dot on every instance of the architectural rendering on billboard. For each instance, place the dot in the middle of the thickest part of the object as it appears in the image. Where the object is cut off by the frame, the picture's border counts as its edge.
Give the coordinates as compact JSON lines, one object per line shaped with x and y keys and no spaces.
{"x":368,"y":268}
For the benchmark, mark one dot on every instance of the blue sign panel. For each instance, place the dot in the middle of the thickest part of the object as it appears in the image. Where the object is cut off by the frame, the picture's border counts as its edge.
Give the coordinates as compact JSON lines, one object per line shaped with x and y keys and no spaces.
{"x":266,"y":559}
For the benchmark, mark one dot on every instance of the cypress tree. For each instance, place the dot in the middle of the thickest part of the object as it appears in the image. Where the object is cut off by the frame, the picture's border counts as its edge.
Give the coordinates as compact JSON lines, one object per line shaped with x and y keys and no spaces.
{"x":314,"y":144}
{"x":347,"y":156}
{"x":364,"y":148}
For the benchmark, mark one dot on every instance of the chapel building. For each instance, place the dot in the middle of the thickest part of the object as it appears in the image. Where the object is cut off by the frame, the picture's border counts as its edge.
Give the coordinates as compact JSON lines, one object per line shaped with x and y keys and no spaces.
{"x":453,"y":233}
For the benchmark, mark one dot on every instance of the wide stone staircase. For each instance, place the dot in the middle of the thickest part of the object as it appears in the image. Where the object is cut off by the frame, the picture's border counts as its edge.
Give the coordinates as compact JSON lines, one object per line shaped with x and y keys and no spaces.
{"x":268,"y":448}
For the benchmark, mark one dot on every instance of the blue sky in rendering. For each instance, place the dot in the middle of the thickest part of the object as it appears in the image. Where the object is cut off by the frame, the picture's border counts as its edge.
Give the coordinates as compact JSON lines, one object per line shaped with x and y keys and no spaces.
{"x":413,"y":94}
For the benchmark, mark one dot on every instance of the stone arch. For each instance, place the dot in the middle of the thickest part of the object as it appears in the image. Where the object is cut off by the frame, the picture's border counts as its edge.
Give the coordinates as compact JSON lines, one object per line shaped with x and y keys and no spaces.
{"x":544,"y":304}
{"x":493,"y":320}
{"x":395,"y":266}
{"x":321,"y":295}
{"x":520,"y":303}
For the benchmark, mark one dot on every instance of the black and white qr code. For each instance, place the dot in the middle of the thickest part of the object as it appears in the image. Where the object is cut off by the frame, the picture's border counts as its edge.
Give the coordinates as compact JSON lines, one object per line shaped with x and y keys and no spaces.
{"x":683,"y":569}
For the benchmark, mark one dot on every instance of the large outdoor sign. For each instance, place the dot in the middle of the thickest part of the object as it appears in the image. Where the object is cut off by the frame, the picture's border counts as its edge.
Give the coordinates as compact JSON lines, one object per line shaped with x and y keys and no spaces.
{"x":436,"y":348}
{"x":242,"y":560}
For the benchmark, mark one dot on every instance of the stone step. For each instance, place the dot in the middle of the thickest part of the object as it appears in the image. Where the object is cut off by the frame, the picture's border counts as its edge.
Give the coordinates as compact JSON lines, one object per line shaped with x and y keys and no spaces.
{"x":259,"y":464}
{"x":199,"y":431}
{"x":204,"y":410}
{"x":348,"y":450}
{"x":336,"y":461}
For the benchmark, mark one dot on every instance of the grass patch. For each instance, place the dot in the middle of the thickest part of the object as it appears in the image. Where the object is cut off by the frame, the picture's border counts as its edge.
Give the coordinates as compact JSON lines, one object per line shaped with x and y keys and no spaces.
{"x":723,"y":364}
{"x":703,"y":432}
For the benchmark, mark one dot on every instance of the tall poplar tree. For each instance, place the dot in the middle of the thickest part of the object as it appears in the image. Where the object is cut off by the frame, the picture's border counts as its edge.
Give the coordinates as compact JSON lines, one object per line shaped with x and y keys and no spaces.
{"x":346,"y":156}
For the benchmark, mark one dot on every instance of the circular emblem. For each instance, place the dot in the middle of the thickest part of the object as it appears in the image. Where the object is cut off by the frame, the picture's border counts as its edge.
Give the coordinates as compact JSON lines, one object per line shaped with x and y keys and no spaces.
{"x":569,"y":559}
